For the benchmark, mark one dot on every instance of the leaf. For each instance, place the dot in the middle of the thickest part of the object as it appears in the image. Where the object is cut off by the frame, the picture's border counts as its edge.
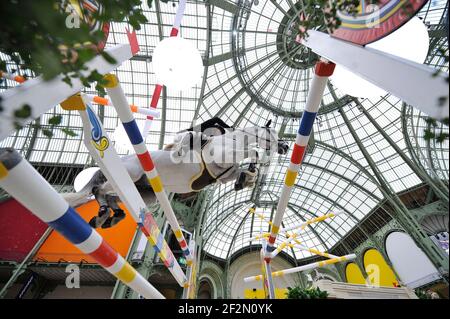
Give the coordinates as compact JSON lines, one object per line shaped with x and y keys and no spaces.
{"x":428,"y":135}
{"x":24,"y":112}
{"x":69,"y":132}
{"x":47,"y":133}
{"x":55,"y":120}
{"x":442,"y":137}
{"x":108,"y":58}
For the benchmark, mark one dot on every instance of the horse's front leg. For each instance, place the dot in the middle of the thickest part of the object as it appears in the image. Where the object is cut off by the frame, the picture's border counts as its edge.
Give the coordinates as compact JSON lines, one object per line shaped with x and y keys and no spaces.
{"x":103,"y":212}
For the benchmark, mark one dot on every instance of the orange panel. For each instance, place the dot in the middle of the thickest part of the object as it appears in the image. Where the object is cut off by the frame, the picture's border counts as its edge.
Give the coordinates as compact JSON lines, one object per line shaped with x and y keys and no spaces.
{"x":56,"y":248}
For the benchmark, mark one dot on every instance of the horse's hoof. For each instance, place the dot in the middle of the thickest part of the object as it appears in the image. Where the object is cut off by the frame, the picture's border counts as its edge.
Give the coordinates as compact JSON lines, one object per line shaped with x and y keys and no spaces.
{"x":114,"y":220}
{"x":103,"y":210}
{"x":93,"y":222}
{"x":98,"y":221}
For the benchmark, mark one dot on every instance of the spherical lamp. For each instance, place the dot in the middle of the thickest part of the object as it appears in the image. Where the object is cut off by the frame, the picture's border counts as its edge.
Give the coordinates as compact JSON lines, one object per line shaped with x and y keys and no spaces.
{"x":177,"y":64}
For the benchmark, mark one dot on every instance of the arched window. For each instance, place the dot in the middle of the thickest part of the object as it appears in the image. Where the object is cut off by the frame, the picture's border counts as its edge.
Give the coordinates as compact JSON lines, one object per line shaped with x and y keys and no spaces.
{"x":409,"y":261}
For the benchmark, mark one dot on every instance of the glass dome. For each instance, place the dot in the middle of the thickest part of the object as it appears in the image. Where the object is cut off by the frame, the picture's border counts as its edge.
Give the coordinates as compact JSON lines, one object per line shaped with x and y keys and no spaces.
{"x":255,"y":72}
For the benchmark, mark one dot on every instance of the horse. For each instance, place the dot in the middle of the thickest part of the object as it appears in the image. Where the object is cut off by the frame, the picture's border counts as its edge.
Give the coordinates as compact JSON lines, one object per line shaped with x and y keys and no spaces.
{"x":203,"y":155}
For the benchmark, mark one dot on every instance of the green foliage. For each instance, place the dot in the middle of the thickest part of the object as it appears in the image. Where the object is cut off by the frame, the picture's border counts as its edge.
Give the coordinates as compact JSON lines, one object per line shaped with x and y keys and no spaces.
{"x":422,"y":294}
{"x":323,"y":13}
{"x":41,"y":36}
{"x":306,"y":293}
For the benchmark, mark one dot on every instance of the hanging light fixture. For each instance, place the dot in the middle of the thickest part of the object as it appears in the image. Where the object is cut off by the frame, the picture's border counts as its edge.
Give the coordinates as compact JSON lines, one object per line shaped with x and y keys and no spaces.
{"x":177,"y":63}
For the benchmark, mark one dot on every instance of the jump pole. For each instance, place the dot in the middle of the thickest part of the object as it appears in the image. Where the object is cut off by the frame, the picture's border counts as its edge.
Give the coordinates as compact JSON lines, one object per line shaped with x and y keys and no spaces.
{"x":303,"y":268}
{"x":120,"y":102}
{"x":42,"y":95}
{"x":97,"y":142}
{"x":189,"y":290}
{"x":24,"y":183}
{"x":296,"y":226}
{"x":266,"y":270}
{"x":158,"y":88}
{"x":323,"y":71}
{"x":298,"y":233}
{"x":135,"y":109}
{"x":314,"y":220}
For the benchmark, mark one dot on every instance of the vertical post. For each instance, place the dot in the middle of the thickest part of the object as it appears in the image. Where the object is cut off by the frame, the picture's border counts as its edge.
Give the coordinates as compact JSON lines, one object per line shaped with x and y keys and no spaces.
{"x":189,"y":290}
{"x":29,"y":188}
{"x":266,"y":271}
{"x":323,"y":71}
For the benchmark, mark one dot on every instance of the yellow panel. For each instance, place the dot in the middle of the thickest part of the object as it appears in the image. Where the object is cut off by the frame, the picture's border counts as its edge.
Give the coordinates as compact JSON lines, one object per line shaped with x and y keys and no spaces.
{"x":354,"y":274}
{"x":378,"y":271}
{"x":259,"y":293}
{"x":74,"y":103}
{"x":281,"y":293}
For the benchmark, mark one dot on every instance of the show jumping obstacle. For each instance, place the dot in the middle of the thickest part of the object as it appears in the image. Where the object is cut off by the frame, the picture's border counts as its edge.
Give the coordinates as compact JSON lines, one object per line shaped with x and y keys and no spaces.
{"x":302,"y":268}
{"x":101,"y":149}
{"x":119,"y":100}
{"x":30,"y":189}
{"x":54,"y":210}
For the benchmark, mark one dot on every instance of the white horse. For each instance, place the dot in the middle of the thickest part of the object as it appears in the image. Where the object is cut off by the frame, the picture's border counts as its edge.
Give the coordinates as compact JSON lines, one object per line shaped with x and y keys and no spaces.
{"x":207,"y":154}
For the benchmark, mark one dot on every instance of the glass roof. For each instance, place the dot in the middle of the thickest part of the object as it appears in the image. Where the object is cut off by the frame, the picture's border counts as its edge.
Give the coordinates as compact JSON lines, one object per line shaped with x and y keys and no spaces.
{"x":248,"y":80}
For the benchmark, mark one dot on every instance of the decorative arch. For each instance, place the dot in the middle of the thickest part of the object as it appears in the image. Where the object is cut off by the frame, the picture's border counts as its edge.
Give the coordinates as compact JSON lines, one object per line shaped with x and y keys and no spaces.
{"x":378,"y":271}
{"x":354,"y":275}
{"x":410,"y":263}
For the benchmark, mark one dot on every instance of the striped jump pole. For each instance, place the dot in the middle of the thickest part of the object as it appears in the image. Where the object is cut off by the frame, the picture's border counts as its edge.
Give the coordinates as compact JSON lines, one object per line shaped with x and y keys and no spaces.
{"x":189,"y":290}
{"x":319,"y":219}
{"x":101,"y":149}
{"x":43,"y":95}
{"x":323,"y":71}
{"x":158,"y":88}
{"x":303,"y":268}
{"x":266,"y":271}
{"x":119,"y":100}
{"x":302,"y":226}
{"x":24,"y":183}
{"x":297,"y":226}
{"x":135,"y":109}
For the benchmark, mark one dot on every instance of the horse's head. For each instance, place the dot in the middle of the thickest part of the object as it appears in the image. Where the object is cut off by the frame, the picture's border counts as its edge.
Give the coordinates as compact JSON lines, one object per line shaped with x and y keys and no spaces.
{"x":265,"y":138}
{"x":238,"y":144}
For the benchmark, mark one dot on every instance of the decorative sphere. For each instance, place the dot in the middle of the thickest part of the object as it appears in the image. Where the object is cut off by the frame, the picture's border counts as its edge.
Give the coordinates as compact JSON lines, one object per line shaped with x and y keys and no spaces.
{"x":177,"y":63}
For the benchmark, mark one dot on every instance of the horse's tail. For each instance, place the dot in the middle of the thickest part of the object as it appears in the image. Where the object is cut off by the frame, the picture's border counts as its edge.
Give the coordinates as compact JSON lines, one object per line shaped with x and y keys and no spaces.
{"x":76,"y":199}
